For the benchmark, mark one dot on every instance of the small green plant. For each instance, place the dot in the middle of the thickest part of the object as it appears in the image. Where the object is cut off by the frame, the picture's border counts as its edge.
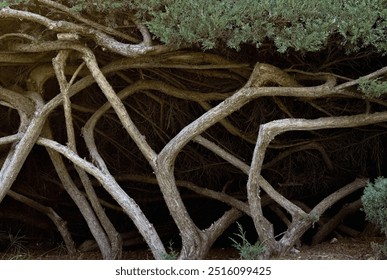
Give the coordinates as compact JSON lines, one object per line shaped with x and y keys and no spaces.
{"x":247,"y":251}
{"x":374,"y":202}
{"x":171,"y":254}
{"x":373,"y":88}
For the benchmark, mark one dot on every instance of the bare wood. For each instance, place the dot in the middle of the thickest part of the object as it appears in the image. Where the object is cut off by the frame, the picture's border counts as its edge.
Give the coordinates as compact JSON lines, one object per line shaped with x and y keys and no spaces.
{"x":128,"y":205}
{"x":54,"y":217}
{"x":329,"y":226}
{"x":114,"y":251}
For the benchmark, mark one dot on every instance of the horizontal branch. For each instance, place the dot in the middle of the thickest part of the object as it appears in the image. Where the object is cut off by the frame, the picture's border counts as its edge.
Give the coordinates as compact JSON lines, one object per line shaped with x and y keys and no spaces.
{"x":327,"y":202}
{"x":377,"y":73}
{"x":103,"y":40}
{"x":10,"y":139}
{"x":93,"y":24}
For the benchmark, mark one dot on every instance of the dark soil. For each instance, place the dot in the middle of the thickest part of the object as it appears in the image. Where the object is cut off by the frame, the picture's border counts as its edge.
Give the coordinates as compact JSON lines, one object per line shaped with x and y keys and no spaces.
{"x":341,"y":249}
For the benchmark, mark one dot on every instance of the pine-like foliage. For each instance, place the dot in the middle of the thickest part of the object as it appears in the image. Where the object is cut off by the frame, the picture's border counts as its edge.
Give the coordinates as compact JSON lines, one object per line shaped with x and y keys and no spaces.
{"x":375,"y":202}
{"x":296,"y":24}
{"x":373,"y":88}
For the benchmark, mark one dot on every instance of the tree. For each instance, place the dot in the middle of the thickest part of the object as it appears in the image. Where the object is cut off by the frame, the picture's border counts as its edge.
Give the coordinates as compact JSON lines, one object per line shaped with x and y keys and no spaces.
{"x":180,"y":89}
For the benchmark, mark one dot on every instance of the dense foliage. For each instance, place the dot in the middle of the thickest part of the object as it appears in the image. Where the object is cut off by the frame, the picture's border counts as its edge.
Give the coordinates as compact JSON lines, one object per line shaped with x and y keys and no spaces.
{"x":301,"y":25}
{"x":297,"y":24}
{"x":375,"y":202}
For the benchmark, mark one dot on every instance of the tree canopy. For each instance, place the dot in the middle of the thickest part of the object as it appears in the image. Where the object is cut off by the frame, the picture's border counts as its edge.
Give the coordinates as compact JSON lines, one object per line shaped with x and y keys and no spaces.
{"x":300,"y":25}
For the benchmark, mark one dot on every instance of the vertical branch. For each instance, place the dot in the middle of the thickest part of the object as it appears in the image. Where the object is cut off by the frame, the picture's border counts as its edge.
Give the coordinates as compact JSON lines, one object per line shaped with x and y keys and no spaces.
{"x":79,"y":199}
{"x":268,"y":235}
{"x":129,"y":206}
{"x":191,"y":236}
{"x":88,"y":129}
{"x":22,"y":148}
{"x":59,"y":64}
{"x":118,"y":106}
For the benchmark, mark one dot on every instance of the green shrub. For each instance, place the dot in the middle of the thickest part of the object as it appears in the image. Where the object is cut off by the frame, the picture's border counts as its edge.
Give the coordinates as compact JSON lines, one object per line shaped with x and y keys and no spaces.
{"x":373,"y":88}
{"x":297,"y":24}
{"x":374,"y":202}
{"x":247,"y":251}
{"x":306,"y":26}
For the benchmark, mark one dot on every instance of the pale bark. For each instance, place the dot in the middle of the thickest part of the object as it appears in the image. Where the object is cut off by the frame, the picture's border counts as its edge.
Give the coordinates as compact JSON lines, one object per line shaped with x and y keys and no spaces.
{"x":113,"y":251}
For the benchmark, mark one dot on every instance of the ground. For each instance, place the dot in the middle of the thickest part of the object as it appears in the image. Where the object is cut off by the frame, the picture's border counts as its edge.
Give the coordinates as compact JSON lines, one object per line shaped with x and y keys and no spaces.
{"x":340,"y":249}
